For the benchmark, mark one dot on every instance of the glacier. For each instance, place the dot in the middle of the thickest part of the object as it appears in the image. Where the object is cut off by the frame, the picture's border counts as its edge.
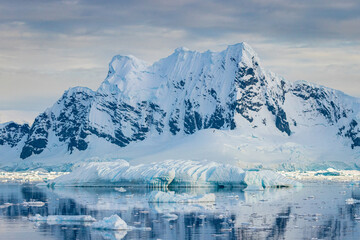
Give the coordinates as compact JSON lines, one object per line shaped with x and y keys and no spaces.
{"x":217,"y":106}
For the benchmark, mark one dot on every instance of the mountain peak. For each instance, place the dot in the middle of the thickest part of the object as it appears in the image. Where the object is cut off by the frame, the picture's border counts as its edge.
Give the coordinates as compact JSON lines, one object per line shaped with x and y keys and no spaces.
{"x":182,"y":49}
{"x":121,"y":65}
{"x":243,"y":53}
{"x":188,"y":92}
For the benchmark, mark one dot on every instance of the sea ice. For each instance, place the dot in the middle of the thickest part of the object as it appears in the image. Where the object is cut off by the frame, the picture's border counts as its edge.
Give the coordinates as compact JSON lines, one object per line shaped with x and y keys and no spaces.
{"x":329,"y":174}
{"x":29,"y":176}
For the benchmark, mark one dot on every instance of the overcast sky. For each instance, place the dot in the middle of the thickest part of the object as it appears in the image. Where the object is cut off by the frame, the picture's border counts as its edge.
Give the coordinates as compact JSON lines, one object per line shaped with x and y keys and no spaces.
{"x":48,"y":46}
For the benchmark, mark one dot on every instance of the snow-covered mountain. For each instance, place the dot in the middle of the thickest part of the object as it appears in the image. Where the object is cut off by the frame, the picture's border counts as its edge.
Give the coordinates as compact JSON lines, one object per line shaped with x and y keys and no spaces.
{"x":175,"y":108}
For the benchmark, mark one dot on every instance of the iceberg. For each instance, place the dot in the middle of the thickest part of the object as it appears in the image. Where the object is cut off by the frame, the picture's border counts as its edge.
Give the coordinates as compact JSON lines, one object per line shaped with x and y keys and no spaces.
{"x":170,"y":197}
{"x":170,"y":173}
{"x":113,"y":222}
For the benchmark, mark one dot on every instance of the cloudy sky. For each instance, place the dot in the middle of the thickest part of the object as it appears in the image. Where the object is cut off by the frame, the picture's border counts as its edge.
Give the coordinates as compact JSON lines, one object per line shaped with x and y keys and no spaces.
{"x":47,"y":46}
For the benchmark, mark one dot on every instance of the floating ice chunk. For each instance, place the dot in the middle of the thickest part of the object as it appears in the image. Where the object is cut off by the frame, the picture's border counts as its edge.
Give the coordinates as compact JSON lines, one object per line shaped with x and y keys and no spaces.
{"x":351,"y":201}
{"x":33,"y":204}
{"x":170,"y":216}
{"x":5,"y":205}
{"x":62,"y":218}
{"x":113,"y":222}
{"x":170,"y":197}
{"x":120,"y":189}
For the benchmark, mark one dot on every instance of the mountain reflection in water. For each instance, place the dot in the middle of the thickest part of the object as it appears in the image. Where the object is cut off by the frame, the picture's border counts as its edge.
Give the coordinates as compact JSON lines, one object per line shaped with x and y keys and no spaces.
{"x":314,"y":211}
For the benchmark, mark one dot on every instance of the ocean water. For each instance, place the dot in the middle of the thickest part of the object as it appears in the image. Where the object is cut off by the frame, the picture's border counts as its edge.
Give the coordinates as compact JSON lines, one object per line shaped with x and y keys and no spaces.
{"x":315,"y":211}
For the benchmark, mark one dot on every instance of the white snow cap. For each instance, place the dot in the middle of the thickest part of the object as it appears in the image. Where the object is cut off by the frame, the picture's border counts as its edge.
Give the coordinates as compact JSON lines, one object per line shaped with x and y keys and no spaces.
{"x":122,"y":65}
{"x":134,"y":77}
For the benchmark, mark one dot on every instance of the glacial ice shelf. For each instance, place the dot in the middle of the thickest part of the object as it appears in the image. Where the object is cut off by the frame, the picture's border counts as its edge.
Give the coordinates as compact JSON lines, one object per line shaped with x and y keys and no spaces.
{"x":171,"y":173}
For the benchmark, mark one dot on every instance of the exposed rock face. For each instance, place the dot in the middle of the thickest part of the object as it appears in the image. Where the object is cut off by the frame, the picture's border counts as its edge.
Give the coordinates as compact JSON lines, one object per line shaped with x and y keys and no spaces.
{"x":181,"y":94}
{"x":12,"y":134}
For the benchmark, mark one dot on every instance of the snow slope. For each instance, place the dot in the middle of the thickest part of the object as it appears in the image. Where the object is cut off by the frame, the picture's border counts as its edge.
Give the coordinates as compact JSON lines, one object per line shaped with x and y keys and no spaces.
{"x":221,"y":106}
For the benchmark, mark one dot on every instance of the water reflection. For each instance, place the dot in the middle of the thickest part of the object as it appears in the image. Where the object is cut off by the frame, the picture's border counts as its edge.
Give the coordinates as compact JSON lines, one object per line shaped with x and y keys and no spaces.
{"x":315,"y":211}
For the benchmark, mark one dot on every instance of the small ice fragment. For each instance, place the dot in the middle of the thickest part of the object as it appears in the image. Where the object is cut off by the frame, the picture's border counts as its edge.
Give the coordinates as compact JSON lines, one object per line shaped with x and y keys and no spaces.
{"x":201,"y":216}
{"x":245,"y":224}
{"x":111,"y":223}
{"x":226,"y":230}
{"x":352,"y":201}
{"x":170,"y":216}
{"x":144,"y":228}
{"x":33,"y":204}
{"x":120,"y":189}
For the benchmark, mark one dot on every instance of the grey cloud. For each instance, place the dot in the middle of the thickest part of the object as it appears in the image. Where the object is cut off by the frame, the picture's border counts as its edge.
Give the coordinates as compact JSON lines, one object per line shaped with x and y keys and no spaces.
{"x":283,"y":20}
{"x":59,"y":44}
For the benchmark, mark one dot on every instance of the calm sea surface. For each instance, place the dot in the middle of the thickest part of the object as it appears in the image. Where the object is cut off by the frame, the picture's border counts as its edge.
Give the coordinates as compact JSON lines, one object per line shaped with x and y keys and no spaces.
{"x":315,"y":211}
